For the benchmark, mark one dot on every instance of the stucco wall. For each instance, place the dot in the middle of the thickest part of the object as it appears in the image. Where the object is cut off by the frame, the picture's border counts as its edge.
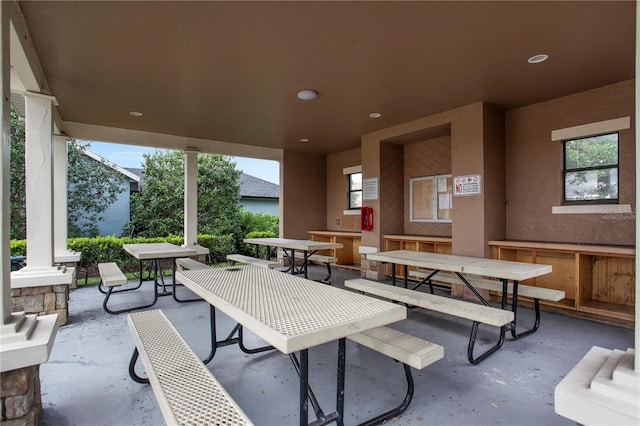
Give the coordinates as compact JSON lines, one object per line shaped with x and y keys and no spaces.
{"x":427,"y":158}
{"x":534,"y":168}
{"x":303,"y":196}
{"x":337,"y":187}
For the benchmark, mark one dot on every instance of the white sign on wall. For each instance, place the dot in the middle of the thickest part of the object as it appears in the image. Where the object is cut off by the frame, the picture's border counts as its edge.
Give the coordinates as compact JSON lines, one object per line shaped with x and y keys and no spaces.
{"x":467,"y":185}
{"x":370,"y":188}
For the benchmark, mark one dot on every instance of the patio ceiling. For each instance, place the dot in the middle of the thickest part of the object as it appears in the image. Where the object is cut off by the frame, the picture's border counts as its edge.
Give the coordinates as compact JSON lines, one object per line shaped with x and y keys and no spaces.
{"x":229,"y":71}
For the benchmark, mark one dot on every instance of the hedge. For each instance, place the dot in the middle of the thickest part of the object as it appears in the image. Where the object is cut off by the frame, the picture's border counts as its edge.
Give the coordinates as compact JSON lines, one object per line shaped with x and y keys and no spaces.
{"x":109,"y":249}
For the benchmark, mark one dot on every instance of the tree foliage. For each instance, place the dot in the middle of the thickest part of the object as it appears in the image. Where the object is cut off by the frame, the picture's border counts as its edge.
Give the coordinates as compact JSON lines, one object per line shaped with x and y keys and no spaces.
{"x":17,"y":198}
{"x":92,"y":186}
{"x":158,"y":209}
{"x":591,"y":165}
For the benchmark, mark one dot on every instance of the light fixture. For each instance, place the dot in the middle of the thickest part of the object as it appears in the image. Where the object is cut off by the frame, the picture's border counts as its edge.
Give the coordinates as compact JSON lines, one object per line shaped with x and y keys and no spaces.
{"x":135,"y":114}
{"x":304,"y":139}
{"x":536,"y":59}
{"x":307,"y":95}
{"x":191,"y":149}
{"x":375,"y":115}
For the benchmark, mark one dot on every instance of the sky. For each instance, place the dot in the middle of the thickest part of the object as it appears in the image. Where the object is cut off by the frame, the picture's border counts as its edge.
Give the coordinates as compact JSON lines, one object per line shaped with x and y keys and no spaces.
{"x":132,"y":156}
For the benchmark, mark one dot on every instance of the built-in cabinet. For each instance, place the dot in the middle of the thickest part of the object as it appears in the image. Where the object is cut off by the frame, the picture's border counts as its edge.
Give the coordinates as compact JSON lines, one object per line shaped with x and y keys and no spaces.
{"x":415,"y":243}
{"x":598,"y":280}
{"x":349,"y":255}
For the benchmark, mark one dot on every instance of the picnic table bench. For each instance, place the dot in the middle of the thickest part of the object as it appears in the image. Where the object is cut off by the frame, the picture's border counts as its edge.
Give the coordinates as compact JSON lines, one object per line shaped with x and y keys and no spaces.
{"x":111,"y":276}
{"x":188,"y":263}
{"x":410,"y":350}
{"x":252,"y":261}
{"x":319,"y":259}
{"x":185,"y":389}
{"x":479,"y":314}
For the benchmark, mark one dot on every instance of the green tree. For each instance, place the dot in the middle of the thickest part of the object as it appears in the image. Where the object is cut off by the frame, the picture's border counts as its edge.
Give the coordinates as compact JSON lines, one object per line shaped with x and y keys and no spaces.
{"x":17,"y":198}
{"x":93,"y":187}
{"x":590,"y":163}
{"x":158,"y":209}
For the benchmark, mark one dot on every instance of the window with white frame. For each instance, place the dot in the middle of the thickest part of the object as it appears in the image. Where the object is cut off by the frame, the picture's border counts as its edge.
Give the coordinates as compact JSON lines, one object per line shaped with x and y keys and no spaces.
{"x":591,"y":169}
{"x":431,"y":199}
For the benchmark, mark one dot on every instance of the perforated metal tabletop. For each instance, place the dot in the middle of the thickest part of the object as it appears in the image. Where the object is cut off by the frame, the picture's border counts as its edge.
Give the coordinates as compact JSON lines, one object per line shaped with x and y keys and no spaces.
{"x":289,"y":312}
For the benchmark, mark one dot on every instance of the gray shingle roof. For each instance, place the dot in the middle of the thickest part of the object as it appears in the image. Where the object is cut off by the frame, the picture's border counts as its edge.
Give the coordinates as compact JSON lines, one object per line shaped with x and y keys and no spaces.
{"x":251,"y":186}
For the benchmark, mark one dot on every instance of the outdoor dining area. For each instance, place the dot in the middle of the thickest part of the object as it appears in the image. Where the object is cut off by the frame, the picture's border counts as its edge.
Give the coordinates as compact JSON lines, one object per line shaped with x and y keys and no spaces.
{"x":456,"y":231}
{"x":332,"y":332}
{"x":513,"y":383}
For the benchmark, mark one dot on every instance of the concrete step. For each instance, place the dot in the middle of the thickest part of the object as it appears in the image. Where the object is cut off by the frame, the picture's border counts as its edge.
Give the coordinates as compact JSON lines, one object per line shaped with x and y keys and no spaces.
{"x":603,"y":382}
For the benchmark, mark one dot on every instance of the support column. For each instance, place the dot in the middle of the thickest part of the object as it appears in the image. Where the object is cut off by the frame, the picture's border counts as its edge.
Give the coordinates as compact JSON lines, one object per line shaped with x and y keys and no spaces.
{"x":62,"y":254}
{"x":191,"y":203}
{"x":5,"y":230}
{"x":25,"y":340}
{"x":40,"y":269}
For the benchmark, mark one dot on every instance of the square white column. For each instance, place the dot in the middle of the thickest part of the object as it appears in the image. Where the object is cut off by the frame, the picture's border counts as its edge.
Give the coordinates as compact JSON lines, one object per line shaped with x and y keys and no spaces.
{"x":191,"y":203}
{"x":40,"y":269}
{"x":190,"y":198}
{"x":62,"y":254}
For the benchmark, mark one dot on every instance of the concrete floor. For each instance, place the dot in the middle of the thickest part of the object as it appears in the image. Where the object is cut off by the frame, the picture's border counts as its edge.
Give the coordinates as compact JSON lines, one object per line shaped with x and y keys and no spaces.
{"x":86,"y":381}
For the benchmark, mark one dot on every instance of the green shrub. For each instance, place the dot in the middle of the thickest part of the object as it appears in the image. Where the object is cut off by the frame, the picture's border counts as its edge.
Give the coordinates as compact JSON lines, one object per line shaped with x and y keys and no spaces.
{"x":250,"y":249}
{"x":109,"y":249}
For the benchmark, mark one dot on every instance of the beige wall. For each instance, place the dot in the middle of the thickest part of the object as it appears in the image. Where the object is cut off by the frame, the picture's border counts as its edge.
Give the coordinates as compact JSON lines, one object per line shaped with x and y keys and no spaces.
{"x":427,"y":158}
{"x":520,"y":166}
{"x":337,"y":187}
{"x":303,"y":196}
{"x":534,"y":169}
{"x":475,"y":138}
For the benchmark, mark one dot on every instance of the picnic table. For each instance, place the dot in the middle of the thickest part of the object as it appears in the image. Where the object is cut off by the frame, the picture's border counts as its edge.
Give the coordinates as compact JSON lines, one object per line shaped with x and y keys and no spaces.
{"x":154,"y":253}
{"x":293,"y":315}
{"x":289,"y":247}
{"x":472,"y":272}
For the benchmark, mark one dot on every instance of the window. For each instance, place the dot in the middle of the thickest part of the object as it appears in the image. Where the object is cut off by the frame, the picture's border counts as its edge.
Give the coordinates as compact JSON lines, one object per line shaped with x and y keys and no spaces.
{"x":431,"y":199}
{"x":355,"y":190}
{"x":591,"y":169}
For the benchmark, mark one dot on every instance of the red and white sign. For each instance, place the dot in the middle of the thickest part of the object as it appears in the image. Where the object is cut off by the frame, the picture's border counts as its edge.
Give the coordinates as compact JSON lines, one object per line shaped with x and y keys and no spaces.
{"x":467,"y":185}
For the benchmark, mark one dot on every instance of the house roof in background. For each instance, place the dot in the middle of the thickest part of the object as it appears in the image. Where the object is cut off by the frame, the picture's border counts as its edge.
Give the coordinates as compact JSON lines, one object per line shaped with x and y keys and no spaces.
{"x":114,"y":166}
{"x":253,"y":187}
{"x":250,"y":186}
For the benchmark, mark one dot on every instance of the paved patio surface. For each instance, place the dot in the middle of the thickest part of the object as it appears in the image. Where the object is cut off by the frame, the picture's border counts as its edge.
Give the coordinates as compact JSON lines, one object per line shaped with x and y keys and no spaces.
{"x":86,"y":381}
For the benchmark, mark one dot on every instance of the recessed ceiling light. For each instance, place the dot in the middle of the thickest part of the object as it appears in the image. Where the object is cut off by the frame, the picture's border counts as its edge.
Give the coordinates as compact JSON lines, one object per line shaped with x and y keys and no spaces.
{"x":375,"y":115}
{"x":135,"y":114}
{"x":307,"y":95}
{"x":536,"y":59}
{"x":304,"y":139}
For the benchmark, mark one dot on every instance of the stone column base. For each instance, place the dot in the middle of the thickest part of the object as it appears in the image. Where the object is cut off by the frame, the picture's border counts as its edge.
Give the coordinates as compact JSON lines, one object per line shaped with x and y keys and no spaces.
{"x":372,"y":270}
{"x":45,"y":300}
{"x":21,"y":403}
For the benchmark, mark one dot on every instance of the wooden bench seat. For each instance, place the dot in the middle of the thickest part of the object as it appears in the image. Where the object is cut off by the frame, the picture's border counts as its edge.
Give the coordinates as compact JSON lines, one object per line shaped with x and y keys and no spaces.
{"x":188,"y":263}
{"x":252,"y":261}
{"x":459,"y":308}
{"x":491,"y":284}
{"x":411,"y":351}
{"x":111,"y":276}
{"x":186,"y":390}
{"x":322,"y":260}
